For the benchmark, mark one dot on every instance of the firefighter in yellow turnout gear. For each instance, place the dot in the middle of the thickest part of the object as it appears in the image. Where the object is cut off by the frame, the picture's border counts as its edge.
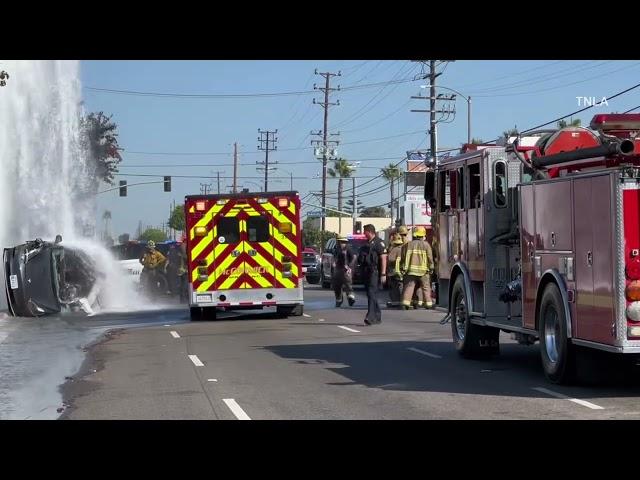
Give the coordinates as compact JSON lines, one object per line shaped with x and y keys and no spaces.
{"x":153,"y":262}
{"x":395,"y":276}
{"x":152,"y":258}
{"x":416,"y":266}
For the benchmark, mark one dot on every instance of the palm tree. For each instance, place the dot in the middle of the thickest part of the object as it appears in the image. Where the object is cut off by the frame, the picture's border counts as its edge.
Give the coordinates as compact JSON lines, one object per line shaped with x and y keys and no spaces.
{"x":341,"y":170}
{"x":512,"y":132}
{"x":572,"y":123}
{"x":390,"y":173}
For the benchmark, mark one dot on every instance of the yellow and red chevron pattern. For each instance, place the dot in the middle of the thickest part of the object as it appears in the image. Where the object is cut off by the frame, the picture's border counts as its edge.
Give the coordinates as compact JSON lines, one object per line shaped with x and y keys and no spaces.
{"x":243,"y":264}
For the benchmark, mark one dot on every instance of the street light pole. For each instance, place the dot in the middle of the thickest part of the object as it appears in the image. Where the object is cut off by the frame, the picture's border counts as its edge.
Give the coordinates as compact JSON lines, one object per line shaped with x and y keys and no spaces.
{"x":290,"y":175}
{"x":353,"y":166}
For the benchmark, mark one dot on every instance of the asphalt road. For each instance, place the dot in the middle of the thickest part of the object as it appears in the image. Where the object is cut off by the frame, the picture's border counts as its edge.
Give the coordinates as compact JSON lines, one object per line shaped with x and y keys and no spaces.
{"x":324,"y":365}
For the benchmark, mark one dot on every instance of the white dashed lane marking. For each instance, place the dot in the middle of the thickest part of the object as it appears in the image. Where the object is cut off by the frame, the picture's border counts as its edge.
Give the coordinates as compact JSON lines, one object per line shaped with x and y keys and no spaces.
{"x":584,"y":403}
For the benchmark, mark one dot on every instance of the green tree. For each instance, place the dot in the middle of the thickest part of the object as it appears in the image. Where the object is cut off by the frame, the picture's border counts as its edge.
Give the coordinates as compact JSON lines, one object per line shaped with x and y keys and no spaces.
{"x":314,"y":237}
{"x":349,"y":206}
{"x":99,"y":138}
{"x":379,"y":212}
{"x":341,"y":170}
{"x":391,"y":173}
{"x":477,"y":141}
{"x":154,"y":234}
{"x":571,"y":123}
{"x":176,"y":220}
{"x":512,"y":132}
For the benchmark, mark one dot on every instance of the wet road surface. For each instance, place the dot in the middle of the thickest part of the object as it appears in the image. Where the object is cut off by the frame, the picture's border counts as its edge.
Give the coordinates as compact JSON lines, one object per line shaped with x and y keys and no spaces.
{"x":36,"y":354}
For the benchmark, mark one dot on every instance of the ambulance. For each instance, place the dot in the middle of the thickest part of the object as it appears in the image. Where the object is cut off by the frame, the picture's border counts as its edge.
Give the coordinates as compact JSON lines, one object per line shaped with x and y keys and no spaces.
{"x":244,"y":252}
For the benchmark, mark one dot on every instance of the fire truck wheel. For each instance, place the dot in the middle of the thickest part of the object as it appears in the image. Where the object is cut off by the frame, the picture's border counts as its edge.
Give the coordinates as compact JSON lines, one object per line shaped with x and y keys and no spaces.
{"x":558,"y":355}
{"x":470,"y":340}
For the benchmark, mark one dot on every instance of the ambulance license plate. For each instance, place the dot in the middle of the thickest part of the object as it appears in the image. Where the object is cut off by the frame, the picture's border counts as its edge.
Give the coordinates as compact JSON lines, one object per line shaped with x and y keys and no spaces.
{"x":204,"y":298}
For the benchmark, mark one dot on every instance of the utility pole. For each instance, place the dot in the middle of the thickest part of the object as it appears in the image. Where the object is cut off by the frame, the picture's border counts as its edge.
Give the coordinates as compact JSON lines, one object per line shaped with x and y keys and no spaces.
{"x":235,"y":167}
{"x":325,"y":132}
{"x":266,"y":138}
{"x":355,"y":206}
{"x":432,"y":113}
{"x":218,"y":178}
{"x":434,"y":142}
{"x":205,"y":188}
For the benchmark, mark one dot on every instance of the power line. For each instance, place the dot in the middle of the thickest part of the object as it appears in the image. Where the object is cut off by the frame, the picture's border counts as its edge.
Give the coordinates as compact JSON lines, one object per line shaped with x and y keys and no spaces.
{"x":358,"y":113}
{"x":235,"y":95}
{"x":226,"y":177}
{"x":573,"y":70}
{"x":380,"y":120}
{"x":296,"y":103}
{"x":375,"y":139}
{"x":315,"y":162}
{"x":581,"y":110}
{"x":369,"y":72}
{"x":558,"y":86}
{"x":502,"y":77}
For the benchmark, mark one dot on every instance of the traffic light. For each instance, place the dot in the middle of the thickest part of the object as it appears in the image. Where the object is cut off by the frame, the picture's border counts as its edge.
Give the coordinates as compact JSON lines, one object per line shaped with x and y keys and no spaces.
{"x":123,"y":188}
{"x":167,"y":184}
{"x":358,"y":227}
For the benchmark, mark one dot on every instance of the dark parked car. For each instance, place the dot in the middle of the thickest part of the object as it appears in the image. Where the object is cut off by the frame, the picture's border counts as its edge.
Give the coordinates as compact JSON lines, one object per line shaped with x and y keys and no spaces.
{"x":43,"y":278}
{"x":356,"y":242}
{"x":311,"y":266}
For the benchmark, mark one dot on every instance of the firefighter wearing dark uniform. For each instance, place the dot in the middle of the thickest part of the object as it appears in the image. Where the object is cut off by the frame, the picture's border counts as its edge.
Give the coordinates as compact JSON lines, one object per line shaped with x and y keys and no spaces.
{"x":344,"y":262}
{"x":395,"y":275}
{"x":374,"y":270}
{"x":417,"y":265}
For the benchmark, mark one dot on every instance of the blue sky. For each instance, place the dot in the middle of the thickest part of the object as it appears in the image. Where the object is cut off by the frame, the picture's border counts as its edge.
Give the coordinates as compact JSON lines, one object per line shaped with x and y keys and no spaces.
{"x":504,"y":94}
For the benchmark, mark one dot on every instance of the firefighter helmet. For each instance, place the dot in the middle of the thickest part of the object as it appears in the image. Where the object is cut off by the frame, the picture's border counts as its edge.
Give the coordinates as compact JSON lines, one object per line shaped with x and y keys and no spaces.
{"x":419,"y":232}
{"x":342,"y":239}
{"x":402,"y":230}
{"x":151,"y":244}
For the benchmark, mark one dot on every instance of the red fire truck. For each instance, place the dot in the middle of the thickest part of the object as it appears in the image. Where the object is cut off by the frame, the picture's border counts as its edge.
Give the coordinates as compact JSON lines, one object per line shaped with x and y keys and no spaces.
{"x":244,"y":251}
{"x":540,"y":237}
